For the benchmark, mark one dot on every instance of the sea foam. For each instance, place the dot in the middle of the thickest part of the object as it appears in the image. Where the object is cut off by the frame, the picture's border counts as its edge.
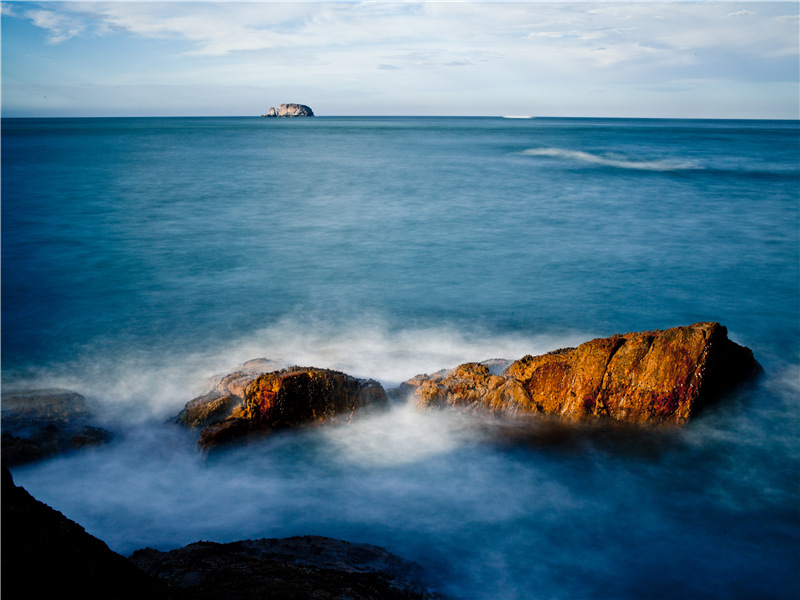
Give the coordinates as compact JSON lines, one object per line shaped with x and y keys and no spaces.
{"x":613,"y":160}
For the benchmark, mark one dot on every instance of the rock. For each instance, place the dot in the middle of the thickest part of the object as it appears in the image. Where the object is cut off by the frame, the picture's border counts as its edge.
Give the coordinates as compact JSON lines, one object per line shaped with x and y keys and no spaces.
{"x":298,"y":567}
{"x":493,"y":366}
{"x":290,"y":110}
{"x":301,"y":395}
{"x":45,"y":555}
{"x":250,"y":403}
{"x":472,"y":387}
{"x":224,"y":395}
{"x":654,"y":377}
{"x":42,"y":423}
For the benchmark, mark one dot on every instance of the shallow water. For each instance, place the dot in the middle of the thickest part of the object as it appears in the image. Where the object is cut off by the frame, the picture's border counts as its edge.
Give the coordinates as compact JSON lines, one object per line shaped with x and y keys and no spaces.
{"x":143,"y":256}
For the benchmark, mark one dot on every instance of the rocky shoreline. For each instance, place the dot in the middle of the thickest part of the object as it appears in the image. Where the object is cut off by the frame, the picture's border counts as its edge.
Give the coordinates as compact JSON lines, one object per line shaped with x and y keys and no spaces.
{"x":46,"y":555}
{"x":646,"y":380}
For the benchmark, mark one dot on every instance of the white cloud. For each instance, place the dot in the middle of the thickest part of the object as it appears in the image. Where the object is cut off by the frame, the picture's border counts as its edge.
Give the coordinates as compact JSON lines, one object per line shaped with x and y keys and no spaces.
{"x":60,"y":27}
{"x":223,"y":28}
{"x":477,"y":49}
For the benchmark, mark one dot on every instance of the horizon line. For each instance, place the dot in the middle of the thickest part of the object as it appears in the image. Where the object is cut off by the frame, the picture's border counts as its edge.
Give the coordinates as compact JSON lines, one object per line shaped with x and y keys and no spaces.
{"x":390,"y":116}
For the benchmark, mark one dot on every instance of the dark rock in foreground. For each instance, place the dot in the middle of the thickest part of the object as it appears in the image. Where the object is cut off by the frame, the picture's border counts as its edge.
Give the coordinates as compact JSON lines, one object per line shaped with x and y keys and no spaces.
{"x":45,"y":555}
{"x":250,"y":403}
{"x":290,"y":110}
{"x":653,"y":377}
{"x":291,"y":568}
{"x":42,"y":423}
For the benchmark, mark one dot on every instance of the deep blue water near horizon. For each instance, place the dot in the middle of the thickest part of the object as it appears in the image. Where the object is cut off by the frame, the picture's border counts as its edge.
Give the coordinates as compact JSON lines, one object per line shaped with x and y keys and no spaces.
{"x":142,"y":255}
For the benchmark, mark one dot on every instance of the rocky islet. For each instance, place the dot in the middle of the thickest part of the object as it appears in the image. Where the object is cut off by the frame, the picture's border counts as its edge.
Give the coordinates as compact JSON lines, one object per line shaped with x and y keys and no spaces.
{"x":289,"y":110}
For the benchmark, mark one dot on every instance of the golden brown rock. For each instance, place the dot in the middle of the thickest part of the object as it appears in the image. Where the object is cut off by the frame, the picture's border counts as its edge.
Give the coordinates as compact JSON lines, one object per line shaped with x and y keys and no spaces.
{"x":302,"y":395}
{"x":472,"y":387}
{"x":224,"y":395}
{"x":278,"y":400}
{"x":649,"y":377}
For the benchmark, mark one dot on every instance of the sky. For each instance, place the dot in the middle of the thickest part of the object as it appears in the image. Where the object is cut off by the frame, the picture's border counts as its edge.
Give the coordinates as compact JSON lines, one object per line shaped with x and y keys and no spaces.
{"x":715,"y":59}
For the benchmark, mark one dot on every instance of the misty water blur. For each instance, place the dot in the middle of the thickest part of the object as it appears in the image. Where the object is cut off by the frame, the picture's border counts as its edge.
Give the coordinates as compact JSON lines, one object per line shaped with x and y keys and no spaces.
{"x":144,"y":257}
{"x":492,"y":508}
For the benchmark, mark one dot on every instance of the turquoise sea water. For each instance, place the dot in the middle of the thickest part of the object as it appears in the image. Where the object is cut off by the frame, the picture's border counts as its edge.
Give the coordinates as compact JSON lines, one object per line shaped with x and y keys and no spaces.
{"x":141,"y":256}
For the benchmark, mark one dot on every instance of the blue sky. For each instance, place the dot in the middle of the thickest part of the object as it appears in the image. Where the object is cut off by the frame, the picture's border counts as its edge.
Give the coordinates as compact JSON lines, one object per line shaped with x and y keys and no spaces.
{"x":632,"y":59}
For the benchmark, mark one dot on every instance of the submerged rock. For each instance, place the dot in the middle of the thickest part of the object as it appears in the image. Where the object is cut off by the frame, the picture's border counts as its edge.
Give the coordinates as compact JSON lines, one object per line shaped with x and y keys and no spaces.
{"x":298,"y":567}
{"x":42,"y":423}
{"x":250,"y":402}
{"x":290,"y":110}
{"x":653,"y":377}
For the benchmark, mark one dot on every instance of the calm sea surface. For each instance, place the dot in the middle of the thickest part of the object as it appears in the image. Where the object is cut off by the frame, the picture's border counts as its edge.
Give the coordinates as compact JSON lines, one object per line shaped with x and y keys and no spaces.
{"x":142,"y":256}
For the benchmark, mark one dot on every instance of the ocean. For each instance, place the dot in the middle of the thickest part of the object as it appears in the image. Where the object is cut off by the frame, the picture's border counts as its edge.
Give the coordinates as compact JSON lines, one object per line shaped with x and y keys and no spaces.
{"x":142,"y":256}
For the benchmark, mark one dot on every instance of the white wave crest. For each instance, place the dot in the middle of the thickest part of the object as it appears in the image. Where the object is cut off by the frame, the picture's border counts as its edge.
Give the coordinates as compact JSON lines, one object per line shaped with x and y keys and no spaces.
{"x":613,"y":160}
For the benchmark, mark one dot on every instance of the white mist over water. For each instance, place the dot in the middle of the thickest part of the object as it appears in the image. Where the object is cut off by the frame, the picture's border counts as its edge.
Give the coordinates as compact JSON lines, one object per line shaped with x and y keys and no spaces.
{"x":138,"y":384}
{"x":492,"y":509}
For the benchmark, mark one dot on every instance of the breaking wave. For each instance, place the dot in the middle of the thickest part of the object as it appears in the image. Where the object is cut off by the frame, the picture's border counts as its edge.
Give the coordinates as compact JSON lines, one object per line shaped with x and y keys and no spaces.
{"x":614,"y":160}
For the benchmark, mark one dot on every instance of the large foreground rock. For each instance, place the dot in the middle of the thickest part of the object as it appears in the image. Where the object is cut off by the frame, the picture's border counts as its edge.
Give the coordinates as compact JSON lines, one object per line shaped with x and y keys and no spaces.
{"x":652,"y":377}
{"x":290,"y":110}
{"x":250,"y":403}
{"x":45,"y":555}
{"x":291,"y":568}
{"x":42,"y":423}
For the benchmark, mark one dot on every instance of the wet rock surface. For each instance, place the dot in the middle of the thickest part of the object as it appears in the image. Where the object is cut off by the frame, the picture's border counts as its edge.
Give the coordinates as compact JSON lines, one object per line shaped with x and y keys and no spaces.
{"x":472,"y":387}
{"x":653,"y":377}
{"x":290,"y":568}
{"x":224,"y":395}
{"x":250,"y":402}
{"x":42,"y":423}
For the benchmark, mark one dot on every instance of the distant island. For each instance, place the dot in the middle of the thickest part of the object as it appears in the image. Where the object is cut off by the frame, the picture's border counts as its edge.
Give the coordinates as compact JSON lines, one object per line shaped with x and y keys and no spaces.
{"x":290,"y":110}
